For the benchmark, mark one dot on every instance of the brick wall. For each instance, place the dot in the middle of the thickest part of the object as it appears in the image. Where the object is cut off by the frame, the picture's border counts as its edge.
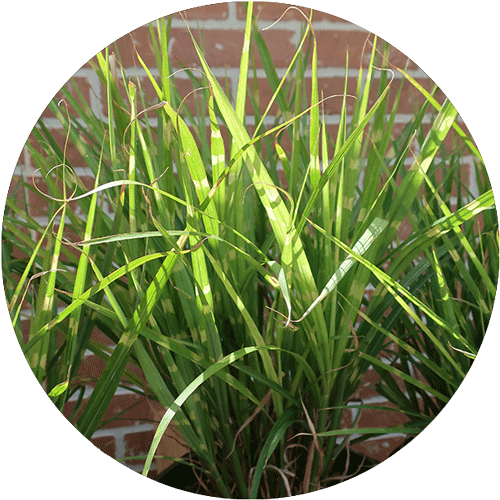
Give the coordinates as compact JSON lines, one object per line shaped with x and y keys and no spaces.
{"x":62,"y":35}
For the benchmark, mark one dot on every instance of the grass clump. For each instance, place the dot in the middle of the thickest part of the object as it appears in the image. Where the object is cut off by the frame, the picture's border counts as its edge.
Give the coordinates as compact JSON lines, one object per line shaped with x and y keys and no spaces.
{"x":255,"y":278}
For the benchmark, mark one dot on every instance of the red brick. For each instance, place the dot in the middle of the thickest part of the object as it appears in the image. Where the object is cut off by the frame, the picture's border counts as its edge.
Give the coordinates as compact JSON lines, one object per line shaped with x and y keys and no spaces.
{"x":373,"y":417}
{"x":145,"y":89}
{"x":444,"y":171}
{"x":171,"y":444}
{"x":134,"y":407}
{"x":39,"y":203}
{"x":449,"y":141}
{"x":77,"y":82}
{"x":218,"y":11}
{"x":405,"y":229}
{"x":73,"y":156}
{"x":21,"y":158}
{"x":327,"y":88}
{"x":192,"y":98}
{"x":282,"y":179}
{"x":137,"y":40}
{"x":92,"y":367}
{"x":25,"y":327}
{"x":17,"y":192}
{"x":334,"y":45}
{"x":136,"y":444}
{"x":130,"y":408}
{"x":264,"y":95}
{"x":378,"y":449}
{"x":272,"y":11}
{"x":225,"y":50}
{"x":334,"y":86}
{"x":410,"y":98}
{"x":219,"y":50}
{"x":396,"y":57}
{"x":365,"y":389}
{"x":346,"y":421}
{"x":101,"y":338}
{"x":106,"y":444}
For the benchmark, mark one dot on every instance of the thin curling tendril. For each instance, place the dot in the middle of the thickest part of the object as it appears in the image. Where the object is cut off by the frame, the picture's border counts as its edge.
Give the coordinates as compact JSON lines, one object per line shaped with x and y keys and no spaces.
{"x":163,"y":103}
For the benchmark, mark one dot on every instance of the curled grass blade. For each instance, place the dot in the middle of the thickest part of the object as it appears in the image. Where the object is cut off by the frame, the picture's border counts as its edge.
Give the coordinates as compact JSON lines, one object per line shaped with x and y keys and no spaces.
{"x":188,"y":391}
{"x":395,"y":289}
{"x":362,"y":245}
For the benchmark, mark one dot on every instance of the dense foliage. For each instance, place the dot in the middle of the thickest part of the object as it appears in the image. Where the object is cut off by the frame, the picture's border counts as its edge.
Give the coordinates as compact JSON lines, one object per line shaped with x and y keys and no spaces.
{"x":252,"y":276}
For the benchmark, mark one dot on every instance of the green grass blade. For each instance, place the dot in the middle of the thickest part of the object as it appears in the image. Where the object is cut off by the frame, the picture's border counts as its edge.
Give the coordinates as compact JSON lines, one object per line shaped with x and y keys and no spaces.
{"x":348,"y":144}
{"x":188,"y":391}
{"x":108,"y":382}
{"x":398,"y":373}
{"x":275,"y":435}
{"x":362,"y":245}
